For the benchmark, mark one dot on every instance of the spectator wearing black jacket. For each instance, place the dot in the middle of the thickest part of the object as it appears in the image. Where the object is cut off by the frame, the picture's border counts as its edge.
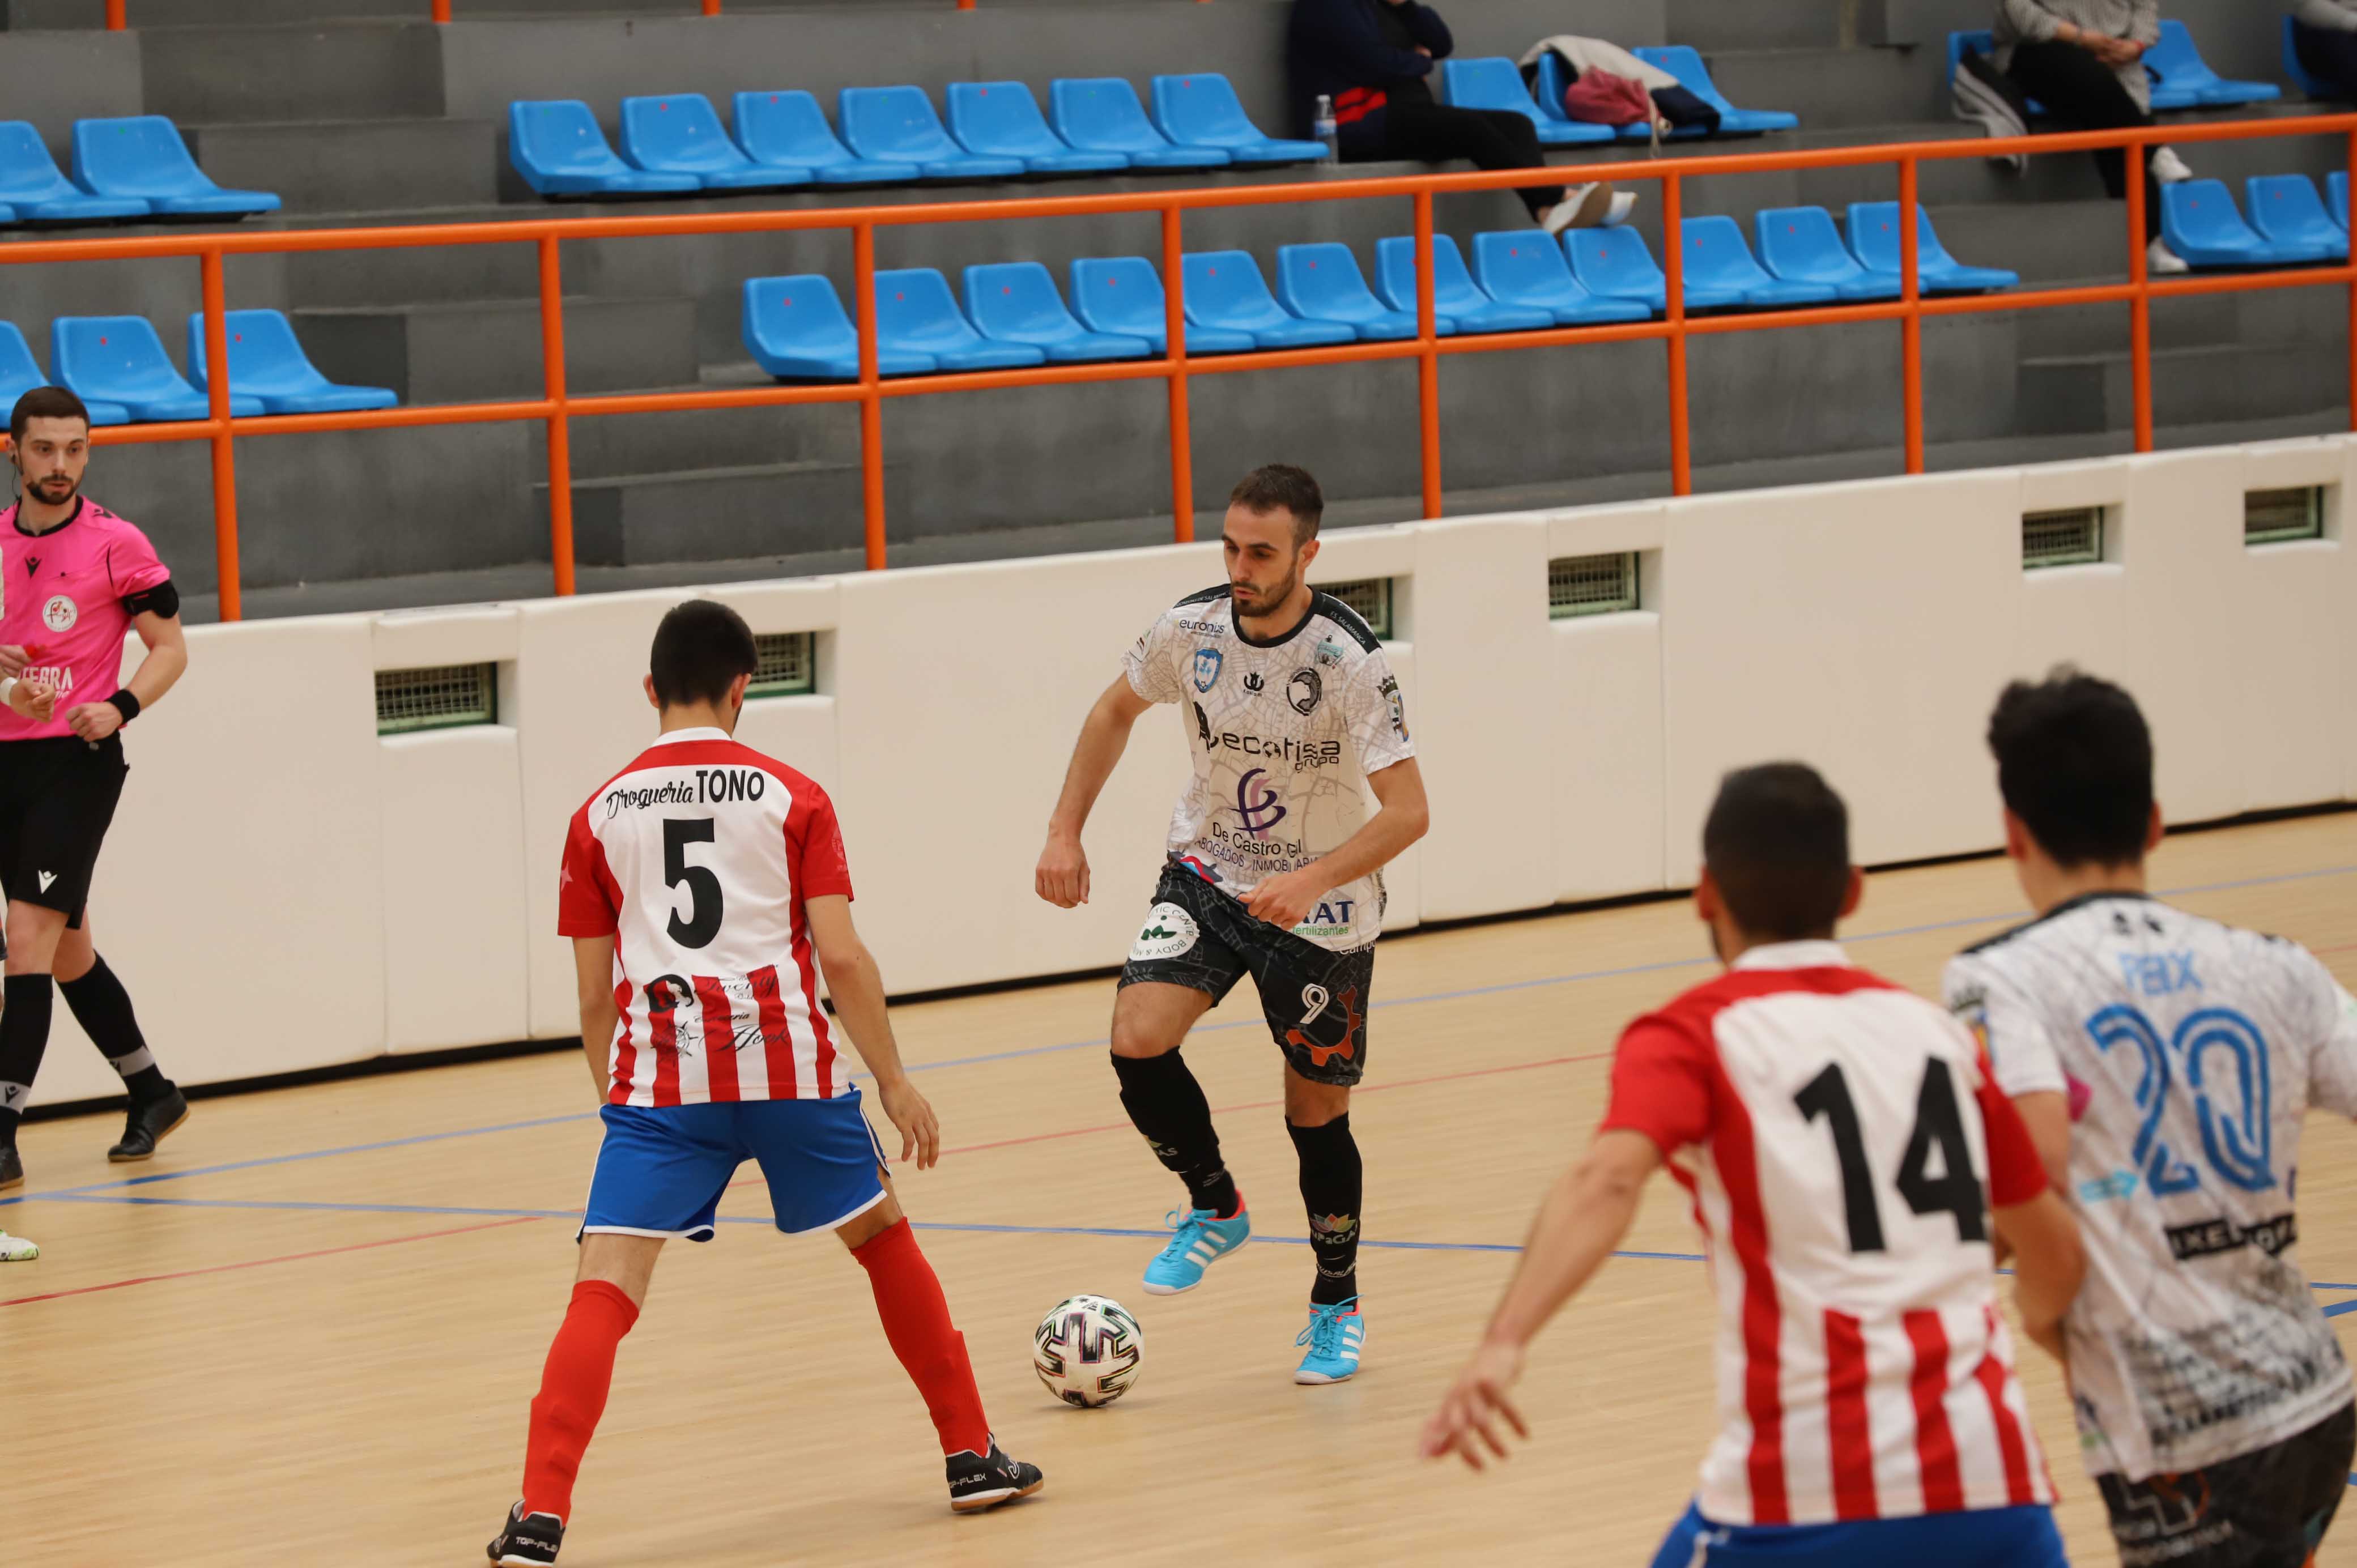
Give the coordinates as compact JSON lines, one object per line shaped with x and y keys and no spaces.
{"x":1374,"y":58}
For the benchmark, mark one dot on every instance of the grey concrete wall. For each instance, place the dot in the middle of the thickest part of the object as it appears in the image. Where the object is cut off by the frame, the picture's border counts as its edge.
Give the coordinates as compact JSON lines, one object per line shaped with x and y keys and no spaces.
{"x":55,"y":78}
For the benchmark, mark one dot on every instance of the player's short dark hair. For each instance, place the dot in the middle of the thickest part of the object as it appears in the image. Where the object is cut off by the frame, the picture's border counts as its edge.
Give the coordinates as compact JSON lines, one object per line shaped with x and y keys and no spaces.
{"x":1280,"y":487}
{"x":43,"y":403}
{"x":2074,"y":763}
{"x":1777,"y":843}
{"x":700,"y":649}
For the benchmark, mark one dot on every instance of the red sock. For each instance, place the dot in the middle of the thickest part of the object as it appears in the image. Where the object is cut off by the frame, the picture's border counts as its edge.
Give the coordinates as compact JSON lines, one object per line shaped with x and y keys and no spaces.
{"x":572,"y":1395}
{"x":917,"y":1321}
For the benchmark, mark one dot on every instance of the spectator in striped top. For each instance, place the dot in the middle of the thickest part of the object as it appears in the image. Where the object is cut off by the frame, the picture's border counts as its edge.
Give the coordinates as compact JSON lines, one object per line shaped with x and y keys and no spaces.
{"x":2083,"y":60}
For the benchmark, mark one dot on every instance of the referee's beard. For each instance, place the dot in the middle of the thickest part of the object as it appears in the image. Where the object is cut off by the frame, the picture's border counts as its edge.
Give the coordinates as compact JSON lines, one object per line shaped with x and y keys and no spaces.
{"x":55,"y":490}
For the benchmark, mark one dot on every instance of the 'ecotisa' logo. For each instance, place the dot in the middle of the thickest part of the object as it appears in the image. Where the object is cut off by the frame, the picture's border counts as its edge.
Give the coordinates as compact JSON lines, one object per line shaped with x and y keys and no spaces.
{"x":1301,"y":756}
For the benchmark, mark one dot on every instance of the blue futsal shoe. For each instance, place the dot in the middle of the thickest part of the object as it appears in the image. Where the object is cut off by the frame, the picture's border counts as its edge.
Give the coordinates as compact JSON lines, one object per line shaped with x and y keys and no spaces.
{"x":1198,"y":1236}
{"x":1335,"y":1336}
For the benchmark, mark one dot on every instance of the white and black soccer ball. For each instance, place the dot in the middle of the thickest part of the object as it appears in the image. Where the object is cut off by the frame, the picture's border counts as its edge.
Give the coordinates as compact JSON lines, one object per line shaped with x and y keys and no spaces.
{"x":1087,"y":1351}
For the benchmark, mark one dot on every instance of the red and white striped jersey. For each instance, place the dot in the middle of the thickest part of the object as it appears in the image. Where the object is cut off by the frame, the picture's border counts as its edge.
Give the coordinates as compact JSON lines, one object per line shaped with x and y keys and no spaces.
{"x":1842,"y":1145}
{"x":699,"y":859}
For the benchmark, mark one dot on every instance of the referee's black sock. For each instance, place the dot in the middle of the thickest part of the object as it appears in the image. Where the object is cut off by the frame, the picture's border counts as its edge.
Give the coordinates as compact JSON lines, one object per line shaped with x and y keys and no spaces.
{"x":23,"y":1037}
{"x":1332,"y":1181}
{"x":102,"y":1008}
{"x":1166,"y":1105}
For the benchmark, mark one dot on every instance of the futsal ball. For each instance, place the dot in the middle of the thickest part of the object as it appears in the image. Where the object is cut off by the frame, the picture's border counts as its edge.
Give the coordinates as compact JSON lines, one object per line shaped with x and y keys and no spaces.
{"x":1087,"y":1351}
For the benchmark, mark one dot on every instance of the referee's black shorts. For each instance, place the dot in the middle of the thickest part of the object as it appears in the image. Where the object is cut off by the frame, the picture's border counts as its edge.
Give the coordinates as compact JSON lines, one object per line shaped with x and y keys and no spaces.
{"x":57,"y":800}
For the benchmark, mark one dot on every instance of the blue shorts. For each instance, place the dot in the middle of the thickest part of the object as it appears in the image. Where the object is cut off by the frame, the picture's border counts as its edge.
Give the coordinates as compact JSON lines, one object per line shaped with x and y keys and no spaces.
{"x":1981,"y":1538}
{"x":660,"y":1170}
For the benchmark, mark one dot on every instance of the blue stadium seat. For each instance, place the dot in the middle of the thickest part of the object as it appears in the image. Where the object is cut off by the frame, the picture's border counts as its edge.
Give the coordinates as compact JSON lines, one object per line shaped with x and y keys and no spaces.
{"x":1017,"y":302}
{"x":1718,"y":259}
{"x":1800,"y":245}
{"x":1323,"y":282}
{"x":143,"y":158}
{"x":1201,"y":111}
{"x":20,"y":373}
{"x":2285,"y":210}
{"x":796,"y":329}
{"x":679,"y":134}
{"x":1122,"y":295}
{"x":2200,"y":223}
{"x":1681,"y":62}
{"x":1613,"y":263}
{"x":788,"y":128}
{"x":2336,"y":186}
{"x":1496,"y":82}
{"x":2316,"y":89}
{"x":898,"y":124}
{"x":915,"y":313}
{"x":119,"y":360}
{"x":1001,"y":119}
{"x":1979,"y":42}
{"x":1102,"y":115}
{"x":1224,"y":290}
{"x":1525,"y":267}
{"x":557,"y":147}
{"x":1873,"y":233}
{"x":267,"y":362}
{"x":2183,"y":80}
{"x":1455,"y":296}
{"x":30,"y":183}
{"x":1555,"y":80}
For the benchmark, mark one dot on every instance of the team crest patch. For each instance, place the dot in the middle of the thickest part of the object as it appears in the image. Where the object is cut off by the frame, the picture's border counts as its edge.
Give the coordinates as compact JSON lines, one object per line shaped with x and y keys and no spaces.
{"x":1303,"y":692}
{"x":60,"y":614}
{"x":1168,"y":932}
{"x":1206,"y":667}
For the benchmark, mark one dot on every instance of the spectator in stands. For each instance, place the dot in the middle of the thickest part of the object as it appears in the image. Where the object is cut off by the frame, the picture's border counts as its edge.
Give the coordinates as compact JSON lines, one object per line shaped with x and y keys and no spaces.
{"x":1374,"y":60}
{"x":2324,"y":32}
{"x":2083,"y":62}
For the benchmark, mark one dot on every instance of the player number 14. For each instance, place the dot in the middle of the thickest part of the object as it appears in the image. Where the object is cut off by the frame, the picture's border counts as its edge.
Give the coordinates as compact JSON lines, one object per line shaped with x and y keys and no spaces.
{"x":1939,"y":1124}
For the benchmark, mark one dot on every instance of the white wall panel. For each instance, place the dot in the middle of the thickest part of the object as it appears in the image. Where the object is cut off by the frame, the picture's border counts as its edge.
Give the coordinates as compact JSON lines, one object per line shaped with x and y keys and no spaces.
{"x":1604,"y":714}
{"x":2296,"y":700}
{"x":453,"y":888}
{"x":2183,"y":545}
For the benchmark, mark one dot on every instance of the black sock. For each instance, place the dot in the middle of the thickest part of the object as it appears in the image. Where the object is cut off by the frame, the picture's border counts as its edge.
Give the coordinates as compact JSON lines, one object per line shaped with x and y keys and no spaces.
{"x":1332,"y":1180}
{"x":23,"y":1037}
{"x":102,"y":1008}
{"x":1166,"y":1105}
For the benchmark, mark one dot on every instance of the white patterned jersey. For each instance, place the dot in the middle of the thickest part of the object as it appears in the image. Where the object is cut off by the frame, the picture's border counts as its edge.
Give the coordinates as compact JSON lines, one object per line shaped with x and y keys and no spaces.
{"x":699,"y":859}
{"x":2189,"y":1051}
{"x":1843,"y":1147}
{"x":1284,"y":732}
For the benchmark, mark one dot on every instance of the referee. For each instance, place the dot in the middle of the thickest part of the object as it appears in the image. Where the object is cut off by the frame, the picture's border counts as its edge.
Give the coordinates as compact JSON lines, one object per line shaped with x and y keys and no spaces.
{"x":73,"y":579}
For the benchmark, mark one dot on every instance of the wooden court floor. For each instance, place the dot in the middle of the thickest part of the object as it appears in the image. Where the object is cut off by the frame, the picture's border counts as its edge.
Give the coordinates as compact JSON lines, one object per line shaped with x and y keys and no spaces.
{"x":310,"y":1333}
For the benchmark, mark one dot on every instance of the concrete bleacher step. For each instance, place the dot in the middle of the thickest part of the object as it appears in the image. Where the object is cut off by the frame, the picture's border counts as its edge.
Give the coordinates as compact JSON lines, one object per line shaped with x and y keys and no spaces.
{"x":718,"y":513}
{"x":151,"y":15}
{"x":1710,"y":24}
{"x":325,"y":165}
{"x":2213,"y":383}
{"x":343,"y":70}
{"x":2046,"y":242}
{"x":2194,"y":321}
{"x":461,"y":352}
{"x":1830,"y":87}
{"x":614,"y":445}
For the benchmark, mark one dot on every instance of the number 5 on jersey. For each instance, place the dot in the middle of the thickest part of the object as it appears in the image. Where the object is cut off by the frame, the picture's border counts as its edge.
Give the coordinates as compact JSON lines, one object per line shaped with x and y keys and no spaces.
{"x":704,"y":912}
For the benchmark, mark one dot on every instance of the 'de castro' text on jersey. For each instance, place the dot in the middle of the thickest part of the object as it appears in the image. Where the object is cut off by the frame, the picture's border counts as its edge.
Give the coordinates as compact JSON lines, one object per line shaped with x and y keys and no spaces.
{"x":699,"y":859}
{"x":1284,"y":733}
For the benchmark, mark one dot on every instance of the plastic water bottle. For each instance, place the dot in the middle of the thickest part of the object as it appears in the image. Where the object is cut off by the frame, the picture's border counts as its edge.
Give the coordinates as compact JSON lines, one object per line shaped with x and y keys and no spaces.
{"x":1325,"y":129}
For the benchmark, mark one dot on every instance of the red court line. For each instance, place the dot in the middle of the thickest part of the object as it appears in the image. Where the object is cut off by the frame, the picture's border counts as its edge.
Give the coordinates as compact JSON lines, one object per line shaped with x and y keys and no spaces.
{"x":264,"y":1263}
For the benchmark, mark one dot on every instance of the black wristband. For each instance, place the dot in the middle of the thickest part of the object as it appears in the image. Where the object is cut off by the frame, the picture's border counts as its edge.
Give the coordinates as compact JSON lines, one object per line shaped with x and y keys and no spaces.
{"x":126,"y":704}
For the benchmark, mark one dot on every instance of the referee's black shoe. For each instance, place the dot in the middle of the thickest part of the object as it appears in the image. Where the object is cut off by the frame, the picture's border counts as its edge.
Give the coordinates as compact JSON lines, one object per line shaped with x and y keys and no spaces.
{"x":149,"y":1123}
{"x":12,"y":1167}
{"x":529,"y":1539}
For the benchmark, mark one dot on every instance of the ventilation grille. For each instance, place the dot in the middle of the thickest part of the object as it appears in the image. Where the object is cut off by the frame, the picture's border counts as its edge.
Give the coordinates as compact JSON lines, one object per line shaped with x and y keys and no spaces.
{"x":788,"y":667}
{"x":2270,"y":516}
{"x":2071,"y":538}
{"x":439,"y":698}
{"x":1591,"y":584}
{"x":1371,"y":596}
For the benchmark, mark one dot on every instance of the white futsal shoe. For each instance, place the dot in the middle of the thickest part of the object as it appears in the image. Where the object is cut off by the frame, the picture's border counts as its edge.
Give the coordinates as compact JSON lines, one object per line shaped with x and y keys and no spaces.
{"x":16,"y":1250}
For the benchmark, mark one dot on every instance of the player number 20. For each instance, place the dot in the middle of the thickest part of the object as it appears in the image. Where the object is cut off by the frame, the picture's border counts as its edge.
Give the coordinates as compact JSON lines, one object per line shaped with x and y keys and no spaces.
{"x":1939,"y":1124}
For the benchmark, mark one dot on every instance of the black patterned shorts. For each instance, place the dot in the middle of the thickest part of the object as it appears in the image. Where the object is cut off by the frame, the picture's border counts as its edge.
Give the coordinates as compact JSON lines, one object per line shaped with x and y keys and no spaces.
{"x":1315,"y":1000}
{"x":2266,"y":1509}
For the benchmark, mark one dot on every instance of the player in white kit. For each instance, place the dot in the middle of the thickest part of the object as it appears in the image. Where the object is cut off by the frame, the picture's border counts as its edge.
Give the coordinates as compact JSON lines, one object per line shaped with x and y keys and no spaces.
{"x":2162,"y":1063}
{"x":1843,"y":1150}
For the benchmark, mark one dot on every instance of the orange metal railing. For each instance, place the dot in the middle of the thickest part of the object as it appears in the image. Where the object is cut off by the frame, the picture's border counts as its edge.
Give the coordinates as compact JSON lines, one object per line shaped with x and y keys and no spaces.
{"x":556,"y":408}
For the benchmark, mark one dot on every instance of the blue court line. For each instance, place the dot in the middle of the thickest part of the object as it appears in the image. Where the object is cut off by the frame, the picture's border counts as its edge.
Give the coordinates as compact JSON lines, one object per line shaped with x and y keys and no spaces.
{"x":1571,"y":979}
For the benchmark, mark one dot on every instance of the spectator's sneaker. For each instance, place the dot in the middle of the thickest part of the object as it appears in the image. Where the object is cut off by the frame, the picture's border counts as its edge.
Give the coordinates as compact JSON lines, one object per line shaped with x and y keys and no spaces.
{"x":1335,"y":1336}
{"x":1197,"y":1239}
{"x":12,"y":1167}
{"x":16,"y":1250}
{"x":979,"y":1481}
{"x":146,"y":1125}
{"x":2159,"y":260}
{"x":2167,"y":167}
{"x":1624,"y":202}
{"x":1582,"y":207}
{"x":530,"y":1539}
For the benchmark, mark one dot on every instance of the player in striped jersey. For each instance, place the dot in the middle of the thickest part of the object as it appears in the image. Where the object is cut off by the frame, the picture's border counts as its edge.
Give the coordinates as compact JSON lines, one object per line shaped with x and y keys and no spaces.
{"x":1841,"y":1149}
{"x":2163,"y":1064}
{"x":699,"y":884}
